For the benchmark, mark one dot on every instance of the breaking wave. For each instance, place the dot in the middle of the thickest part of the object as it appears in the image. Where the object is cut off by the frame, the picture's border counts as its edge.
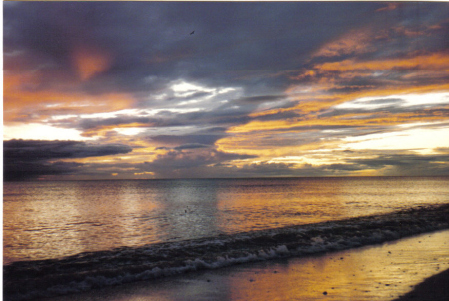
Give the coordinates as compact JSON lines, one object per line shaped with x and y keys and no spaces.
{"x":25,"y":280}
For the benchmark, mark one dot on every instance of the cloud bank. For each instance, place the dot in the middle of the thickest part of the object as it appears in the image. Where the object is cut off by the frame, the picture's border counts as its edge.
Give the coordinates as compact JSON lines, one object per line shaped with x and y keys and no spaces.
{"x":260,"y":88}
{"x":28,"y":159}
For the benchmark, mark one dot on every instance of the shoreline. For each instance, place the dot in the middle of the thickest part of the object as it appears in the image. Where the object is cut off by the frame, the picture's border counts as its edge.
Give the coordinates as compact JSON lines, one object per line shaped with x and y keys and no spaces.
{"x":435,"y":288}
{"x":385,"y":271}
{"x":76,"y":274}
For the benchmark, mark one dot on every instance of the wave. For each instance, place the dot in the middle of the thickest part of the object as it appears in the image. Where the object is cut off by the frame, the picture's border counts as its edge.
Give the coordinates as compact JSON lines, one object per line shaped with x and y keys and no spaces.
{"x":25,"y":280}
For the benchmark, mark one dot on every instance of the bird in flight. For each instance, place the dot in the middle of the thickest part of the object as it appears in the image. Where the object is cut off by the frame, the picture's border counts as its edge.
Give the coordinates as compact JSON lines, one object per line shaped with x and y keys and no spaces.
{"x":192,"y":32}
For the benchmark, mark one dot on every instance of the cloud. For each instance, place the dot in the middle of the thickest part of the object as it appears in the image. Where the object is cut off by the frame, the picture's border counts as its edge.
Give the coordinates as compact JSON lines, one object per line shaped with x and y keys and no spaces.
{"x":393,"y":164}
{"x":256,"y":84}
{"x":203,"y":137}
{"x":138,"y":40}
{"x":185,"y":163}
{"x":185,"y":146}
{"x":406,"y":164}
{"x":25,"y":159}
{"x":262,"y":98}
{"x":48,"y":150}
{"x":190,"y":146}
{"x":390,"y":6}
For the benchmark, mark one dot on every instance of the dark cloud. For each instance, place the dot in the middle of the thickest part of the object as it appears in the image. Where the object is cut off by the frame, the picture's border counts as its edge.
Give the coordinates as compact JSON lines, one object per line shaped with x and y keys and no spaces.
{"x":202,"y":137}
{"x":191,"y":146}
{"x":382,"y":101}
{"x":394,"y":163}
{"x":152,"y":38}
{"x":180,"y":163}
{"x":235,"y":43}
{"x":86,"y":124}
{"x":401,"y":160}
{"x":262,"y":98}
{"x":257,"y":51}
{"x":268,"y":169}
{"x":26,"y":170}
{"x":225,"y":116}
{"x":48,"y":150}
{"x":391,"y":164}
{"x":444,"y":150}
{"x":199,"y":164}
{"x":184,"y":146}
{"x":416,"y":111}
{"x":26,"y":159}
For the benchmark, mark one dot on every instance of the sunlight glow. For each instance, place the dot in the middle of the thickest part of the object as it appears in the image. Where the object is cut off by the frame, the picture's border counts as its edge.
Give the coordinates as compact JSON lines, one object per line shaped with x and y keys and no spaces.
{"x":129,"y":131}
{"x":400,"y":100}
{"x":36,"y":131}
{"x":413,"y":139}
{"x":184,"y":89}
{"x":316,"y":160}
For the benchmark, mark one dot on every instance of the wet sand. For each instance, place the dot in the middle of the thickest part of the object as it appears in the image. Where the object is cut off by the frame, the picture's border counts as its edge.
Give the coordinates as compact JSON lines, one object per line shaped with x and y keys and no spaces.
{"x":380,"y":272}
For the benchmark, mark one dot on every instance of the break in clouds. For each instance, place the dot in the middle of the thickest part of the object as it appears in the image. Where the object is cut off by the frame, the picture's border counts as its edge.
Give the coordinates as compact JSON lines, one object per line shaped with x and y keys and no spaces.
{"x":257,"y":89}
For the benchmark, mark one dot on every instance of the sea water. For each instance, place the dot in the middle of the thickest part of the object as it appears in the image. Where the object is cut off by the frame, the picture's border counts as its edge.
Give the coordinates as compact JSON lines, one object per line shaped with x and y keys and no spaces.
{"x":97,"y":233}
{"x":53,"y":219}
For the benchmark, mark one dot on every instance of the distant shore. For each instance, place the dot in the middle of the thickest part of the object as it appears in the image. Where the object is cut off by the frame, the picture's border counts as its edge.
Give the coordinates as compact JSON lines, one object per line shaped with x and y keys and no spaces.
{"x":435,"y":288}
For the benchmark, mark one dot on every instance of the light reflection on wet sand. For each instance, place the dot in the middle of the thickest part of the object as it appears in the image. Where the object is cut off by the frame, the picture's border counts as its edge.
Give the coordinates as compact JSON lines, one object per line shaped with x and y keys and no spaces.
{"x":381,"y":272}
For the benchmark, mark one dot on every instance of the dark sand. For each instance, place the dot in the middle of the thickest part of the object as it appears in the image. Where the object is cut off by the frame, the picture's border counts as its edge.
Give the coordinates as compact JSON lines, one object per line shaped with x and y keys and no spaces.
{"x":381,"y":273}
{"x":435,"y":288}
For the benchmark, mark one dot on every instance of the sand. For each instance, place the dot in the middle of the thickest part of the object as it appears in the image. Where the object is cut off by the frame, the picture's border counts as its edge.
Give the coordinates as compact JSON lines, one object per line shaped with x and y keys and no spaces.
{"x":381,"y":272}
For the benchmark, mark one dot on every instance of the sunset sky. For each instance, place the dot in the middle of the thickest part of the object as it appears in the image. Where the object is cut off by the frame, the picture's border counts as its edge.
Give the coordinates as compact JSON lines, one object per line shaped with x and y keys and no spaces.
{"x":125,"y":90}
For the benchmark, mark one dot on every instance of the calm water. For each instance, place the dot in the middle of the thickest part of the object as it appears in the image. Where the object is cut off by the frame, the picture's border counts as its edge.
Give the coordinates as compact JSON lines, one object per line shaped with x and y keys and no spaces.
{"x":53,"y":219}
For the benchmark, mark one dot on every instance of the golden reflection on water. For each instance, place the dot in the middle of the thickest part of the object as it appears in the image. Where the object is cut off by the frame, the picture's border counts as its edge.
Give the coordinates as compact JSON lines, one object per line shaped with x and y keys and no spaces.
{"x":54,"y":219}
{"x":73,"y":218}
{"x":378,"y":273}
{"x":287,"y":203}
{"x":113,"y":218}
{"x":371,"y":273}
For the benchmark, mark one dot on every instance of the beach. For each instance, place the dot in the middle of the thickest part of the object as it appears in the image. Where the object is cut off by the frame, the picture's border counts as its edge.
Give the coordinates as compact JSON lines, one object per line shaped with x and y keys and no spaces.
{"x":229,"y":150}
{"x":385,"y":271}
{"x":252,"y":239}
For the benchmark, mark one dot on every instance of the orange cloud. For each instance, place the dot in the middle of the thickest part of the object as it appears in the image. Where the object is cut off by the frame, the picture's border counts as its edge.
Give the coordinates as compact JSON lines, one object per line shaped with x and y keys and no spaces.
{"x":356,"y":41}
{"x":301,"y":137}
{"x":270,"y":144}
{"x":101,"y":130}
{"x":89,"y":62}
{"x":390,"y":6}
{"x":309,"y":111}
{"x":407,"y":32}
{"x":437,"y":61}
{"x":23,"y":98}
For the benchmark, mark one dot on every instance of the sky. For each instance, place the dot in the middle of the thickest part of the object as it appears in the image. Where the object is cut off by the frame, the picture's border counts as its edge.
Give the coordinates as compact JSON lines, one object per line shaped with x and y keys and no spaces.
{"x":144,"y":90}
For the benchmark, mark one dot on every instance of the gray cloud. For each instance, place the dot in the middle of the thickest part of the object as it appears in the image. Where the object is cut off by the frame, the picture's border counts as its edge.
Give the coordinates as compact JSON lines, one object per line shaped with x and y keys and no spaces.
{"x":202,"y":137}
{"x":235,"y":43}
{"x":177,"y":163}
{"x":191,"y":146}
{"x":262,"y":98}
{"x":394,"y":163}
{"x":25,"y":159}
{"x":382,"y":101}
{"x":152,"y":38}
{"x":254,"y":48}
{"x":185,"y":146}
{"x":47,"y":150}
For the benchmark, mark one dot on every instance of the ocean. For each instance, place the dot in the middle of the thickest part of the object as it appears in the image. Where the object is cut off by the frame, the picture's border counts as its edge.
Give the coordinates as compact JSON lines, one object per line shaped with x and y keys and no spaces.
{"x":64,"y":237}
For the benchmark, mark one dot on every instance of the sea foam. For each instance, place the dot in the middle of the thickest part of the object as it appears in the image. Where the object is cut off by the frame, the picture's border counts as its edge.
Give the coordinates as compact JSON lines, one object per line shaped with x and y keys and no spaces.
{"x":25,"y":280}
